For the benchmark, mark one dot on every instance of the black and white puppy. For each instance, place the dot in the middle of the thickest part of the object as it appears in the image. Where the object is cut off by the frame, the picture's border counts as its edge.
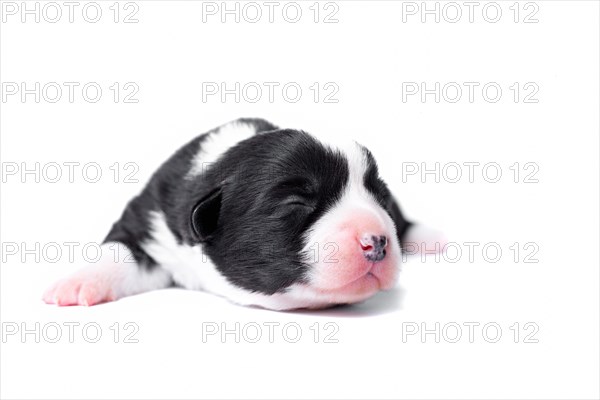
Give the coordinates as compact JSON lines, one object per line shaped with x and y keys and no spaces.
{"x":263,"y":216}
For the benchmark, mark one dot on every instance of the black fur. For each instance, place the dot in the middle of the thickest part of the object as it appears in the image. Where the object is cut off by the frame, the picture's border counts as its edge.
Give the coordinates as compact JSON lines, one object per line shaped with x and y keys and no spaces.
{"x":250,"y":209}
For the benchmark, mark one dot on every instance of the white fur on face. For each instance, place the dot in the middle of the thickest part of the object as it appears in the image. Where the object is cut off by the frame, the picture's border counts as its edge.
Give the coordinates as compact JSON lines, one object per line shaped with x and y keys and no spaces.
{"x":344,"y":275}
{"x":217,"y":143}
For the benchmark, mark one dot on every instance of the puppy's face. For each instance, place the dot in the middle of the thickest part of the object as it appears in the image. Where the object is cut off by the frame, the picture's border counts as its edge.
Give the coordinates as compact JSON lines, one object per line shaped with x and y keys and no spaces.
{"x":283,"y":214}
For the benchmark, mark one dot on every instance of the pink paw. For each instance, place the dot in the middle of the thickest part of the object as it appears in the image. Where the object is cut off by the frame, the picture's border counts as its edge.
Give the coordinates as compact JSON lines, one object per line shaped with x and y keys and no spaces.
{"x":78,"y":290}
{"x":422,"y":240}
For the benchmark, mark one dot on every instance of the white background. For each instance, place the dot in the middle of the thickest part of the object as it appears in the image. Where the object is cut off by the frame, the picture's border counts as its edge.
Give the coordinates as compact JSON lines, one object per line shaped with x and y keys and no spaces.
{"x":368,"y":54}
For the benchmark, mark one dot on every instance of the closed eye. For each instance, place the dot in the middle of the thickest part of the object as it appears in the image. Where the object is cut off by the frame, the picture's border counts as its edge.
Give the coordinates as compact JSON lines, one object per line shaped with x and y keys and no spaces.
{"x":299,"y":201}
{"x":295,"y":192}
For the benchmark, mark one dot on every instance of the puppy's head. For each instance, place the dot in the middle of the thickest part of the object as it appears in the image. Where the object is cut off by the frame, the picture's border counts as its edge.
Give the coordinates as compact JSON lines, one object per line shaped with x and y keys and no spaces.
{"x":282,"y":214}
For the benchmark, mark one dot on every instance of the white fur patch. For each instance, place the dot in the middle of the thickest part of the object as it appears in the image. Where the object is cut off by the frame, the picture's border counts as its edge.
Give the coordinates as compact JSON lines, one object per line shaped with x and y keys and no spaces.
{"x":217,"y":143}
{"x":187,"y":264}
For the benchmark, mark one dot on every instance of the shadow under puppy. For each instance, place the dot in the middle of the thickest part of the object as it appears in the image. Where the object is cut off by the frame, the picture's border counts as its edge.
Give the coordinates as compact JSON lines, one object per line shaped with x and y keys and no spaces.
{"x":263,"y":216}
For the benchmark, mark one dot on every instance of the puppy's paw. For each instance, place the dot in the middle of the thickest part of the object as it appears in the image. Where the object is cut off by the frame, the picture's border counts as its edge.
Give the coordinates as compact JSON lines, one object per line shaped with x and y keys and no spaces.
{"x":420,"y":239}
{"x":85,"y":288}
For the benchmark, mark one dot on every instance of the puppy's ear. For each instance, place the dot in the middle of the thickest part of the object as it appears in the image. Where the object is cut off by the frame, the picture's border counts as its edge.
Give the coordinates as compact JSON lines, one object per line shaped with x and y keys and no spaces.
{"x":205,"y":215}
{"x":402,"y":225}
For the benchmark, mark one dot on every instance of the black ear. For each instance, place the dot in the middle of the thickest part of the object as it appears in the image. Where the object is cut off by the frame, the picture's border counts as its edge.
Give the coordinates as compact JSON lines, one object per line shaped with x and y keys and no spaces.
{"x":205,"y":215}
{"x":401,"y":223}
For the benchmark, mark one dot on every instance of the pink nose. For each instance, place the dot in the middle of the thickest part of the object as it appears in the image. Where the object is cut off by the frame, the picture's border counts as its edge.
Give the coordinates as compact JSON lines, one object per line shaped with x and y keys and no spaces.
{"x":373,"y":247}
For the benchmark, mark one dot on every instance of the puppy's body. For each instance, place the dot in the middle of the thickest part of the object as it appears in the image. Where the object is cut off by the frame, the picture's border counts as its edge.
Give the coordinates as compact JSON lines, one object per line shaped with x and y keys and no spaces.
{"x":260,"y":215}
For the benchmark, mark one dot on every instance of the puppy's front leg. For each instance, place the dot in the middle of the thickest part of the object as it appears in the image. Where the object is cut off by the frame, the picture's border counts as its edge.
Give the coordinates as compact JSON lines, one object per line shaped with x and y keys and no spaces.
{"x":115,"y":275}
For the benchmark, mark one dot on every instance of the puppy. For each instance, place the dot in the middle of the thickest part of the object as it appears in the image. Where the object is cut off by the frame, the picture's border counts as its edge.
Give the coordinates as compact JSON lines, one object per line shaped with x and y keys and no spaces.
{"x":270,"y":217}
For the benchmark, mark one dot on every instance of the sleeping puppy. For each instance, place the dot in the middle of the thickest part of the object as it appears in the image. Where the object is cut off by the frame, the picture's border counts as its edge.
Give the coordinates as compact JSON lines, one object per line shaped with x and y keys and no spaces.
{"x":270,"y":217}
